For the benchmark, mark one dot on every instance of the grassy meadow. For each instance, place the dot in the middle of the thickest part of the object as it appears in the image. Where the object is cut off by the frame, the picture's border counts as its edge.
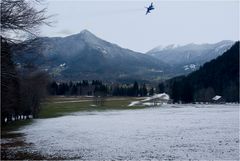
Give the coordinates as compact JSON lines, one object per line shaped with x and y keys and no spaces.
{"x":61,"y":105}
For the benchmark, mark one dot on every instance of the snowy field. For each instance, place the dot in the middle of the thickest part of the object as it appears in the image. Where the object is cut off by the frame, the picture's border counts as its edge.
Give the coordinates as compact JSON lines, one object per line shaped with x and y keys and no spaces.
{"x":171,"y":132}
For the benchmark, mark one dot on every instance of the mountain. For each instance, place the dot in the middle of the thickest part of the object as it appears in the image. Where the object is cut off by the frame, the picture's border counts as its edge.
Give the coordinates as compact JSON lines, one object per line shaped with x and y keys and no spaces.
{"x":189,"y":57}
{"x":85,"y":56}
{"x":217,"y":77}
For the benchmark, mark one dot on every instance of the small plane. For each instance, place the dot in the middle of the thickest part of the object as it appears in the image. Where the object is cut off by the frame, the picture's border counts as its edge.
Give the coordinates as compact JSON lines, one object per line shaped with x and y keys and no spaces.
{"x":149,"y":8}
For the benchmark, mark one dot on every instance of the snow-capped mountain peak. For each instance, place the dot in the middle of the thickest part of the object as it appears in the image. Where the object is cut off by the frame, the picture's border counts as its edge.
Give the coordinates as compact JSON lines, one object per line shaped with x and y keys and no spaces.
{"x":192,"y":53}
{"x":162,"y":47}
{"x":88,"y":37}
{"x":158,"y":48}
{"x":86,"y":34}
{"x":171,"y":46}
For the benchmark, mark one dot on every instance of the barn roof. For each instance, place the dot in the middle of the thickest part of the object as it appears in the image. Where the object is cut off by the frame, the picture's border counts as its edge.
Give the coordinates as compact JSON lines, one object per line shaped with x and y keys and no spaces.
{"x":217,"y":97}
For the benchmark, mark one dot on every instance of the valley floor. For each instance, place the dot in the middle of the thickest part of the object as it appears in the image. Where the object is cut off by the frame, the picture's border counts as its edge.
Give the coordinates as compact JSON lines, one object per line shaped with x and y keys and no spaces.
{"x":169,"y":132}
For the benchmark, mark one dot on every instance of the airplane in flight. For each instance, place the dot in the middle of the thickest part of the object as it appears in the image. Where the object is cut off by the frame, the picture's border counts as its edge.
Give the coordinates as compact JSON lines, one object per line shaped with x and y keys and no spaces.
{"x":149,"y":8}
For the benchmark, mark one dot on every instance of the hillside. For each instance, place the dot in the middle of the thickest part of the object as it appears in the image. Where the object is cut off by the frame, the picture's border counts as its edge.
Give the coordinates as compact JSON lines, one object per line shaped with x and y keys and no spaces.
{"x":188,"y":58}
{"x":85,"y":56}
{"x":217,"y":77}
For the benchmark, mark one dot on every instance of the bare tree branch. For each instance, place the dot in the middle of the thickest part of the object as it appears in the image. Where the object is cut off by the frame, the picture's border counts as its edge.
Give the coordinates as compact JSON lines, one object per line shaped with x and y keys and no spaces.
{"x":21,"y":16}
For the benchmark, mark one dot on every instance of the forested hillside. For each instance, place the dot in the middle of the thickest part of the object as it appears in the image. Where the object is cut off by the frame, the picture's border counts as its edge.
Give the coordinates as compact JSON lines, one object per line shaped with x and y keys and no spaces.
{"x":217,"y":77}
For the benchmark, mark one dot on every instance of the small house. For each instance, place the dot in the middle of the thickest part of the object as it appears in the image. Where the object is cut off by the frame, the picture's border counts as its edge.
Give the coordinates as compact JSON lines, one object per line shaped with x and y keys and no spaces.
{"x":218,"y":99}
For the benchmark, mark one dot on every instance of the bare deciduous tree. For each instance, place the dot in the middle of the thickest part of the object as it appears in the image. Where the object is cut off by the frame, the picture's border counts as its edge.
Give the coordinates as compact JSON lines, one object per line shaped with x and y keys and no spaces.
{"x":33,"y":90}
{"x":19,"y":18}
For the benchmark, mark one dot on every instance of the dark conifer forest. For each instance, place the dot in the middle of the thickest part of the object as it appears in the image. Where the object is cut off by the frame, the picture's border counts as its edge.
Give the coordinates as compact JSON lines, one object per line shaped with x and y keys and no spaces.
{"x":98,"y":88}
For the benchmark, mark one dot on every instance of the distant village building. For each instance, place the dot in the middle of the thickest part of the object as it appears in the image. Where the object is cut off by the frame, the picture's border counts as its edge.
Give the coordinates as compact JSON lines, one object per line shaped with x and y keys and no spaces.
{"x":155,"y":100}
{"x":218,"y":99}
{"x":158,"y":99}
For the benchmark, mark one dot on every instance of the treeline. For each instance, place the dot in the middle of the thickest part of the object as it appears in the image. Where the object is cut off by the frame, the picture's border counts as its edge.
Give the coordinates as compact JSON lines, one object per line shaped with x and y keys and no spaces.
{"x":96,"y":87}
{"x":21,"y":93}
{"x":22,"y":89}
{"x":217,"y":77}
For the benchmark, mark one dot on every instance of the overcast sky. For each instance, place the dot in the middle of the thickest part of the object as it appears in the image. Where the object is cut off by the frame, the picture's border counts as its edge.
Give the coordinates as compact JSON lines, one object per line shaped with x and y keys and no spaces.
{"x":125,"y":23}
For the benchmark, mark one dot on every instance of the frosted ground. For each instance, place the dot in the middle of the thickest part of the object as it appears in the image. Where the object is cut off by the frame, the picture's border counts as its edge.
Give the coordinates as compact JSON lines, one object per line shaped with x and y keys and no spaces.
{"x":172,"y":132}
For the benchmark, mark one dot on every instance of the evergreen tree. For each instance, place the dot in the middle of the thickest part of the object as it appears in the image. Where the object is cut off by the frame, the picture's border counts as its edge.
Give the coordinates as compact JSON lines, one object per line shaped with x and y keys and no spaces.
{"x":151,"y":92}
{"x":135,"y":89}
{"x":161,"y":88}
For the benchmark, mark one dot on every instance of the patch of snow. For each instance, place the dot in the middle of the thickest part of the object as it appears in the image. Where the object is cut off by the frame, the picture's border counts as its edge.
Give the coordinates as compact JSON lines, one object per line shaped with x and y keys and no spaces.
{"x":188,"y":132}
{"x":62,"y":65}
{"x":167,"y":47}
{"x":161,"y":96}
{"x":151,"y":104}
{"x":172,"y":46}
{"x":134,"y":103}
{"x":186,"y":68}
{"x":157,"y":71}
{"x":102,"y":50}
{"x":223,"y":47}
{"x":160,"y":99}
{"x":190,"y":66}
